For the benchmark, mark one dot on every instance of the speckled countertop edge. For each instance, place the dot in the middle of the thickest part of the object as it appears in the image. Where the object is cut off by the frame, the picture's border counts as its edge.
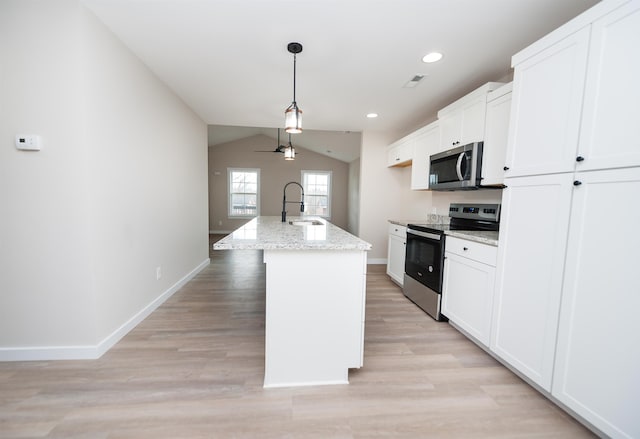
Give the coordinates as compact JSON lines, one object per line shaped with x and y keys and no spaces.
{"x":481,"y":236}
{"x":270,"y":233}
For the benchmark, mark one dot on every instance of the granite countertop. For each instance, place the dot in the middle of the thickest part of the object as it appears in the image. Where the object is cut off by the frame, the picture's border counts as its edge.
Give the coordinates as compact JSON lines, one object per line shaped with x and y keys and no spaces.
{"x":404,"y":223}
{"x":429,"y":219}
{"x":270,"y":233}
{"x":481,"y":236}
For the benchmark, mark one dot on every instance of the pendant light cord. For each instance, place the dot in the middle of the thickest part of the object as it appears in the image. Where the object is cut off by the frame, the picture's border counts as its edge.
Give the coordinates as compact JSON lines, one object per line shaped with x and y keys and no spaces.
{"x":294,"y":78}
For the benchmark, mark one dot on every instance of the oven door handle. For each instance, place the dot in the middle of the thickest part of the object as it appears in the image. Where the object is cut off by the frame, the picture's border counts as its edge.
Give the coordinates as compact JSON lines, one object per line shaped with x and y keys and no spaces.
{"x":459,"y":166}
{"x":424,"y":234}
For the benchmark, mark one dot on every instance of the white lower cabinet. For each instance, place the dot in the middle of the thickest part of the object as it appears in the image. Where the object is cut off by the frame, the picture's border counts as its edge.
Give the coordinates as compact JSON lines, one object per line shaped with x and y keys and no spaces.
{"x":597,"y":369}
{"x":531,"y":251}
{"x":468,"y":286}
{"x":396,"y":252}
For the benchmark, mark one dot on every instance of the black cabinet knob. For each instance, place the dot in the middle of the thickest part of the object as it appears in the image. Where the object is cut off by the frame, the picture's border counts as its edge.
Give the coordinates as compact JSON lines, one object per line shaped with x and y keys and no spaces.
{"x":579,"y":158}
{"x":577,"y":183}
{"x":465,"y":248}
{"x":506,"y":168}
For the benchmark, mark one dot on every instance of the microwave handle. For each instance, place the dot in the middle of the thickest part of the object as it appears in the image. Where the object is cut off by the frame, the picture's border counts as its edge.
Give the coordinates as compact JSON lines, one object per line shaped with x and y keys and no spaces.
{"x":459,"y":166}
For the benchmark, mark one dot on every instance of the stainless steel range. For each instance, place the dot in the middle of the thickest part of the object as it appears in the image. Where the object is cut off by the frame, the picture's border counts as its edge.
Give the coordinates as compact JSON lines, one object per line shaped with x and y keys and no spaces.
{"x":424,"y":258}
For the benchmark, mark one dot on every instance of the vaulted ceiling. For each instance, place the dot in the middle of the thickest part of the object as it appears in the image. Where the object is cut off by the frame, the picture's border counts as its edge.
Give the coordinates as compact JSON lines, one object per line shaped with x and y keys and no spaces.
{"x":227,"y":59}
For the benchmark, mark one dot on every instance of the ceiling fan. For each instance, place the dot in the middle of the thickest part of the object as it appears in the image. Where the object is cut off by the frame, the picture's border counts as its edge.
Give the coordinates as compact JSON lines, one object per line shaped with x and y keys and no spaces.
{"x":282,"y":148}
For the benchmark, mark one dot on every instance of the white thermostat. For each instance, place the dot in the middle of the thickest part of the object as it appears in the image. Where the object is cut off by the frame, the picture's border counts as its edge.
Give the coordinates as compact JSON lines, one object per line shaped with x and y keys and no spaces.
{"x":28,"y":142}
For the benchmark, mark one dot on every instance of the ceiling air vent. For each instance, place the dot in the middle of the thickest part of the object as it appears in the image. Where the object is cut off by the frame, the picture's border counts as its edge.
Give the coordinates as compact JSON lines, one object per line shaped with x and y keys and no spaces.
{"x":413,"y":81}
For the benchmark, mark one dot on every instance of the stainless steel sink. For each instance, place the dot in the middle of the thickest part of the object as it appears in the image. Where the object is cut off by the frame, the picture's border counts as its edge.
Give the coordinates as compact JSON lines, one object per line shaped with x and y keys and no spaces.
{"x":306,"y":223}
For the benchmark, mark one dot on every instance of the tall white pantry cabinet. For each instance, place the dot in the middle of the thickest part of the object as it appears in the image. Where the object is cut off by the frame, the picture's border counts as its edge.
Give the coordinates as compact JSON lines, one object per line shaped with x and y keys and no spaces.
{"x":567,"y":306}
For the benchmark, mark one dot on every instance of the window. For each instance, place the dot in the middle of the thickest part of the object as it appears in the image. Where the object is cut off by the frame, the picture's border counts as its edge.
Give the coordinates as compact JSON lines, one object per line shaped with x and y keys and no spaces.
{"x":317,"y":193}
{"x":244,"y":190}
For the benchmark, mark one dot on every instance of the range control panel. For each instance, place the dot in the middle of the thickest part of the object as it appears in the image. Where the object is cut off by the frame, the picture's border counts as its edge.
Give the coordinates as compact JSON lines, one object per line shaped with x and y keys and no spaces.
{"x":489,"y":212}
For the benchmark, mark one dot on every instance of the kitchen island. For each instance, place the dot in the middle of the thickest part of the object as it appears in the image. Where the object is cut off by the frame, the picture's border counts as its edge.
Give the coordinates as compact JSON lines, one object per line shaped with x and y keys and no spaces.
{"x":315,"y":298}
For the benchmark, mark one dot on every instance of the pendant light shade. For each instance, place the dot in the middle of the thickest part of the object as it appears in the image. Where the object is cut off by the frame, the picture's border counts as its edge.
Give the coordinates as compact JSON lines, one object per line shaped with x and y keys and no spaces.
{"x":293,"y":119}
{"x":289,"y":151}
{"x":293,"y":114}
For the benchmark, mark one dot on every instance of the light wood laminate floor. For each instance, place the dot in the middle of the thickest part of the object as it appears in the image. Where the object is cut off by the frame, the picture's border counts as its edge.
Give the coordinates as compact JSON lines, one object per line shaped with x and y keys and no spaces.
{"x":194,"y":369}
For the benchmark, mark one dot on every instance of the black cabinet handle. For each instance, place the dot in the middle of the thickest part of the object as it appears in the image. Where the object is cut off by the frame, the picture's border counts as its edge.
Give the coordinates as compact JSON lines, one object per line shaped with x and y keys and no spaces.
{"x":465,"y":248}
{"x":577,"y":183}
{"x":506,"y":168}
{"x":579,"y":158}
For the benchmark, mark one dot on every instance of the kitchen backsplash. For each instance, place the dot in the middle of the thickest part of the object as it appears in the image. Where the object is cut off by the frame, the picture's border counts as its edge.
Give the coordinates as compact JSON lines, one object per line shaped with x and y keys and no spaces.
{"x":441,"y":201}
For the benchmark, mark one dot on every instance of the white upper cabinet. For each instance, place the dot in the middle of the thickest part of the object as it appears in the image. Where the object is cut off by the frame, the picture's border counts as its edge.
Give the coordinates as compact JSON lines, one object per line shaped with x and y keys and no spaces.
{"x":426,"y":143}
{"x":496,"y":133}
{"x":400,"y":153}
{"x":610,"y":134}
{"x":463,"y":121}
{"x":546,"y":108}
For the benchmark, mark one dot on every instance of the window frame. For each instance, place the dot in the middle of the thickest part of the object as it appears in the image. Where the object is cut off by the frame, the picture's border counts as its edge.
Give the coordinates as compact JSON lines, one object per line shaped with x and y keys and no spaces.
{"x":230,"y":172}
{"x":329,"y":174}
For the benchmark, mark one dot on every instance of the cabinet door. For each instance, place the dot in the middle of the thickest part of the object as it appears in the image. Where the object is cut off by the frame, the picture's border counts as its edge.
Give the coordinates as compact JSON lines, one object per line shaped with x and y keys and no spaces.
{"x":450,"y":126}
{"x":473,"y":120}
{"x":467,"y":296}
{"x":547,"y":101}
{"x":533,"y":236}
{"x":598,"y":353}
{"x":395,"y":258}
{"x":400,"y":153}
{"x":393,"y":155}
{"x":495,"y":140}
{"x":610,"y":135}
{"x":426,"y":143}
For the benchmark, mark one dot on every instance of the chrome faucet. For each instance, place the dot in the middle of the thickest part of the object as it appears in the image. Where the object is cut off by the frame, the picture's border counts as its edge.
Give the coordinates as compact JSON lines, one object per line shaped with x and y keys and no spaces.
{"x":284,"y":200}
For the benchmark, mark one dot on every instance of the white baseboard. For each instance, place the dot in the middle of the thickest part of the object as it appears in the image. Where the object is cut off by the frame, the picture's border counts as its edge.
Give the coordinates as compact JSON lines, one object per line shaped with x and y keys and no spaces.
{"x":377,"y":261}
{"x":90,"y":352}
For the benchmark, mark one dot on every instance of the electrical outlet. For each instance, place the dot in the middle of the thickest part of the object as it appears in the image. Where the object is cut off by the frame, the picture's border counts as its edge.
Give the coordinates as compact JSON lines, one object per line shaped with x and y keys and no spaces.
{"x":28,"y":142}
{"x":158,"y":272}
{"x":219,"y":223}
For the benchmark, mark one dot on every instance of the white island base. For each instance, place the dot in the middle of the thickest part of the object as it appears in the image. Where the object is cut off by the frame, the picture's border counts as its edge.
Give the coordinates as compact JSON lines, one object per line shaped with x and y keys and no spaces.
{"x":315,"y":297}
{"x":314,"y":316}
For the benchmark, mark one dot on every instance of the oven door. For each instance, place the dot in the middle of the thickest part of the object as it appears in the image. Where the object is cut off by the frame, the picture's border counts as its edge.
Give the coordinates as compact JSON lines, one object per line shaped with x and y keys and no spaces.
{"x":424,"y":258}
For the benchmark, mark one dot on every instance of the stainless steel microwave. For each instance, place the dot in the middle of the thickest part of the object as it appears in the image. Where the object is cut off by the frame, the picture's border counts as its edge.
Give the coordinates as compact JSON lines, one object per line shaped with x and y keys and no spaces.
{"x":456,"y":169}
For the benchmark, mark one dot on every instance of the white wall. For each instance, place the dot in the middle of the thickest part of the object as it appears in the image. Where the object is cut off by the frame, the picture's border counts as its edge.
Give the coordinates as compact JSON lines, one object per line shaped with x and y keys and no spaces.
{"x":119,"y":188}
{"x":45,"y":274}
{"x":275,"y":173}
{"x":440,"y":200}
{"x":385,"y":194}
{"x":354,"y":197}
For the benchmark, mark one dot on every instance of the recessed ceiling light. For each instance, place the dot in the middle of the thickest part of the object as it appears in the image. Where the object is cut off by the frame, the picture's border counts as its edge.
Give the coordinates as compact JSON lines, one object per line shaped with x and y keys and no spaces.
{"x":432,"y":57}
{"x":372,"y":115}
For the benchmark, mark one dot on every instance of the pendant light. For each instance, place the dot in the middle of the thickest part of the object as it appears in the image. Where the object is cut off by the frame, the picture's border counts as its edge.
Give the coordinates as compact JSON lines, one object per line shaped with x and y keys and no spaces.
{"x":289,"y":151}
{"x":293,"y":115}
